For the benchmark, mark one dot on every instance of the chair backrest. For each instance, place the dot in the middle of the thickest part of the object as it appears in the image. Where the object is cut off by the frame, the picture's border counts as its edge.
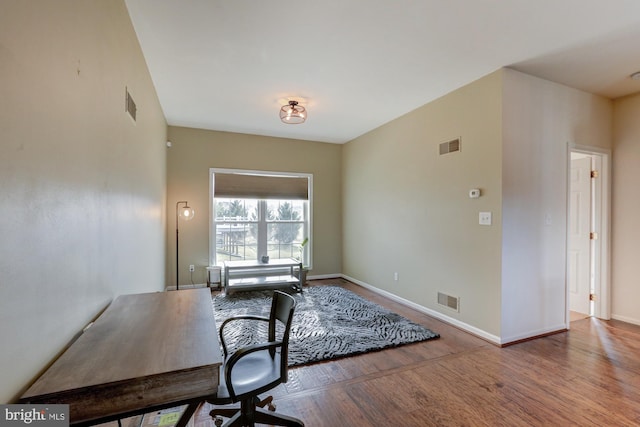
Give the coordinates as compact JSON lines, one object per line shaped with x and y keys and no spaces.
{"x":282,"y":307}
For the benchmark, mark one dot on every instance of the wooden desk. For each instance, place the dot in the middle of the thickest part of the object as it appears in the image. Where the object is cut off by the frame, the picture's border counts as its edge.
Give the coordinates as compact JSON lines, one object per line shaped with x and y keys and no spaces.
{"x":145,"y":352}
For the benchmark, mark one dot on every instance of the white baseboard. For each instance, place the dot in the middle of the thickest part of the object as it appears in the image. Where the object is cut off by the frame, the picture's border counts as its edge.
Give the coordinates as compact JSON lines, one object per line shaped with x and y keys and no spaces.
{"x":324,"y":276}
{"x":454,"y":322}
{"x":626,"y":319}
{"x":534,"y":334}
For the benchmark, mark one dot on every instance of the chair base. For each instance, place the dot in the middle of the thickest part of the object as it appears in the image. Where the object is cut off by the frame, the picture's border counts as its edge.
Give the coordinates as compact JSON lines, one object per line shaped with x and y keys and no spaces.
{"x":248,"y":414}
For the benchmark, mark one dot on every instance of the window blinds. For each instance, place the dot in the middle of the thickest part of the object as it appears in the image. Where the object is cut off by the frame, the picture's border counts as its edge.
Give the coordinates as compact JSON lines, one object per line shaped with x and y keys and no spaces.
{"x":245,"y":186}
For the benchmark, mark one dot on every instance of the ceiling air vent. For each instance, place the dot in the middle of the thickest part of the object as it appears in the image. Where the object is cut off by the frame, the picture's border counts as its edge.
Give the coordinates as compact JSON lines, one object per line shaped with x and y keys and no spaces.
{"x":450,"y":146}
{"x":449,"y":301}
{"x":130,"y":105}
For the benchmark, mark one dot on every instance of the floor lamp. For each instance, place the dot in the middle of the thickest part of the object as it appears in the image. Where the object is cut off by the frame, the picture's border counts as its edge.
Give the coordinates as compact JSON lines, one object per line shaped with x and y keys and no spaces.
{"x":185,"y":212}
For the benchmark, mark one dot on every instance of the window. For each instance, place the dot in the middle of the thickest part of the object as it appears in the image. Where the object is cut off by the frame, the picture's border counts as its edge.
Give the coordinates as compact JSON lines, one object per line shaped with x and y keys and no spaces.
{"x":259,"y":213}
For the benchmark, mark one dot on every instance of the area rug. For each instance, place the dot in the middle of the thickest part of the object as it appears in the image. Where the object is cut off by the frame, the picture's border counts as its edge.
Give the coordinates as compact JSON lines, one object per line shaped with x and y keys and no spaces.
{"x":329,"y":322}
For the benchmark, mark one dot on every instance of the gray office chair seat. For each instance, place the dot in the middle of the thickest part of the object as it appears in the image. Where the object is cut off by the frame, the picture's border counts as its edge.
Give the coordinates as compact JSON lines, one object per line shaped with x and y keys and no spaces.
{"x":254,"y":371}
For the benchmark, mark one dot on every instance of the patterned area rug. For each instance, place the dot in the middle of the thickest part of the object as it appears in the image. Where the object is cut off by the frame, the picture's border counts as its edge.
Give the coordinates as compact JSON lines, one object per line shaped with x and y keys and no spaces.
{"x":329,"y":322}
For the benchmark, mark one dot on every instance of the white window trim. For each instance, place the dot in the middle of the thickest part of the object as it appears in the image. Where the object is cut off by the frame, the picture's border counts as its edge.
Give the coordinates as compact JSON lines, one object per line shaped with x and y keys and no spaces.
{"x":212,"y":239}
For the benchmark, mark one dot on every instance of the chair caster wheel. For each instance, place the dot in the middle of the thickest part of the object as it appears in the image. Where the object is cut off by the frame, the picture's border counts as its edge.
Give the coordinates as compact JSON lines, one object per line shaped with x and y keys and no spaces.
{"x":268,"y":402}
{"x":218,"y":421}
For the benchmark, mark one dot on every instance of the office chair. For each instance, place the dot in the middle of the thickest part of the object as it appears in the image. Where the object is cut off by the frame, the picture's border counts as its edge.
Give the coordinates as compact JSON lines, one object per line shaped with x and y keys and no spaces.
{"x":254,"y":369}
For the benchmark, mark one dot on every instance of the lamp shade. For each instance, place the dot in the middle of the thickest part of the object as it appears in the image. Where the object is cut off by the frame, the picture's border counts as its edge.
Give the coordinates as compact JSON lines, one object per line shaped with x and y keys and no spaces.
{"x":186,"y":213}
{"x":293,"y":113}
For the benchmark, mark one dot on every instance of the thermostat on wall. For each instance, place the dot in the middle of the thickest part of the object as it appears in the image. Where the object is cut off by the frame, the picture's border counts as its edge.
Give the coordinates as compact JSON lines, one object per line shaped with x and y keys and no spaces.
{"x":474,"y":193}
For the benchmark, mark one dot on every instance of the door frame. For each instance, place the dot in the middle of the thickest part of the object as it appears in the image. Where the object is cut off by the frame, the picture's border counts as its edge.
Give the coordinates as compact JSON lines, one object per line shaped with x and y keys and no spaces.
{"x":601,"y":256}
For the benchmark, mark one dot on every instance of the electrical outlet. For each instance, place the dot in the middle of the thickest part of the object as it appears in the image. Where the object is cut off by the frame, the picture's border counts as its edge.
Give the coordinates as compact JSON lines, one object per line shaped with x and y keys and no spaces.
{"x":192,"y":268}
{"x":395,"y":276}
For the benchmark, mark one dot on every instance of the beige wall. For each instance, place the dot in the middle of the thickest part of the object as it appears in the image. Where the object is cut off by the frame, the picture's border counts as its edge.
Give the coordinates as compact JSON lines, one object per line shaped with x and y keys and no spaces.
{"x":195,"y":151}
{"x":406,"y":208}
{"x":625,"y":292}
{"x":82,"y":187}
{"x":541,"y":119}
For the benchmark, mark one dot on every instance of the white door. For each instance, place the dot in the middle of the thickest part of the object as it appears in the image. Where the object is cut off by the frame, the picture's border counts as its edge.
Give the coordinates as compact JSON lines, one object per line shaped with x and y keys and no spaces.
{"x":579,"y":236}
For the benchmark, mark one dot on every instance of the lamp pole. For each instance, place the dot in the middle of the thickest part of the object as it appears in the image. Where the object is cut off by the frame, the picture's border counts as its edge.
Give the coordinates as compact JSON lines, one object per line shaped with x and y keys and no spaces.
{"x":187,"y":213}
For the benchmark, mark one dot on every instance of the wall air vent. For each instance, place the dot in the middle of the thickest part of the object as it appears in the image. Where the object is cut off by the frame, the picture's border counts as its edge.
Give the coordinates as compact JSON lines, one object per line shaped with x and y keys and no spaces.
{"x":450,"y":146}
{"x":130,"y":105}
{"x":449,"y":301}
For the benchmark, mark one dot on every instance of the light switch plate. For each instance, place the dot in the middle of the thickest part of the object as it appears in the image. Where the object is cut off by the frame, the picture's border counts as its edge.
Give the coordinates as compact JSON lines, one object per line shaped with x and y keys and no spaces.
{"x":484,"y":218}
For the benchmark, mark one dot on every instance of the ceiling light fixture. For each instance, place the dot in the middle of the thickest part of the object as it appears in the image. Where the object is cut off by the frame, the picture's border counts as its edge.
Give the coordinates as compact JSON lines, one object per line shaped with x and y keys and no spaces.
{"x":293,"y":113}
{"x":635,"y":76}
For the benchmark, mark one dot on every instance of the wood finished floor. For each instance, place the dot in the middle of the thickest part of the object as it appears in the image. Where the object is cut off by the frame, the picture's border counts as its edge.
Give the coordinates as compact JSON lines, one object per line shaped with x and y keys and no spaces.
{"x":589,"y":376}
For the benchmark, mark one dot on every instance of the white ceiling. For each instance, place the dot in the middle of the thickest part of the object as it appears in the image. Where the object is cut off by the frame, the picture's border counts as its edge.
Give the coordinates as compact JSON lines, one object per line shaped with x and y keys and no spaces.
{"x":356,"y":64}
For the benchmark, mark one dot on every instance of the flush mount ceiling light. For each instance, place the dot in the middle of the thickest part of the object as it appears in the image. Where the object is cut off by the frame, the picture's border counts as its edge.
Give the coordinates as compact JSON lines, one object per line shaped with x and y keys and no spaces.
{"x":293,"y":113}
{"x":635,"y":76}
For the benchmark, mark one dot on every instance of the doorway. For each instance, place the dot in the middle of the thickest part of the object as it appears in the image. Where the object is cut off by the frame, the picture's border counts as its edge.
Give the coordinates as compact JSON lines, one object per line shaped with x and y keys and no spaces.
{"x":588,"y":233}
